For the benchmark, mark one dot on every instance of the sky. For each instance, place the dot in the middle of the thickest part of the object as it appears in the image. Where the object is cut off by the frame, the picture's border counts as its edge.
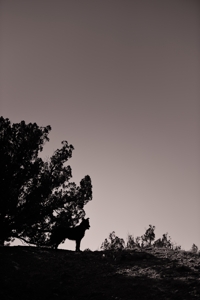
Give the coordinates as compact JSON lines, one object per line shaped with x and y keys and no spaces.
{"x":119,"y":80}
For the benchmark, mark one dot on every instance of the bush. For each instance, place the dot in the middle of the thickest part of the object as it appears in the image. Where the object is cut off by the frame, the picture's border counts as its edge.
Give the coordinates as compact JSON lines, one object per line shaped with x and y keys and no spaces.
{"x":194,"y":248}
{"x":87,"y":250}
{"x":130,"y":242}
{"x":149,"y":236}
{"x":115,"y":243}
{"x":165,"y":242}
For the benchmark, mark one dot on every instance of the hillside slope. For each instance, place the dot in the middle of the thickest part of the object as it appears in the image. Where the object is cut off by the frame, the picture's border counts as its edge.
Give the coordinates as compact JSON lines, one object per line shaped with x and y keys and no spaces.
{"x":40,"y":273}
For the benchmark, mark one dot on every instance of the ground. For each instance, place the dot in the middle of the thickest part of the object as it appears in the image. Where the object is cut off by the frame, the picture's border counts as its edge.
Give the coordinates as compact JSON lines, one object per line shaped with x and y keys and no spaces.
{"x":41,"y":273}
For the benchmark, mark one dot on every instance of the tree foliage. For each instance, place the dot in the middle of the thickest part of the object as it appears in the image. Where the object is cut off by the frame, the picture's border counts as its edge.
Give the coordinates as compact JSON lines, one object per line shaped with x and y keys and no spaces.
{"x":36,"y":195}
{"x":194,"y":248}
{"x":131,"y":244}
{"x":164,"y":242}
{"x":113,"y":243}
{"x":149,"y":236}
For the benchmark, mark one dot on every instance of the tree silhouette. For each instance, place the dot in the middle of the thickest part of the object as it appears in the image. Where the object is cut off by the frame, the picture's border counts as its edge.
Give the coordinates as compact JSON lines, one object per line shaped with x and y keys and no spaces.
{"x":194,"y":248}
{"x":114,"y":243}
{"x":36,"y":195}
{"x":131,"y":244}
{"x":149,"y":235}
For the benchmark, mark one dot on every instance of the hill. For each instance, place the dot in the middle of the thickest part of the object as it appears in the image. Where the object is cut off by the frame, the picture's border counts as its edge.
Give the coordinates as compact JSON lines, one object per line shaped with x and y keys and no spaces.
{"x":41,"y":273}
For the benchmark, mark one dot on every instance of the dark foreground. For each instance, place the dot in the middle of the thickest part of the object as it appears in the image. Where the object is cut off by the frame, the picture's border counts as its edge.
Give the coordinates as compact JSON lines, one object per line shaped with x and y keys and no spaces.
{"x":33,"y":273}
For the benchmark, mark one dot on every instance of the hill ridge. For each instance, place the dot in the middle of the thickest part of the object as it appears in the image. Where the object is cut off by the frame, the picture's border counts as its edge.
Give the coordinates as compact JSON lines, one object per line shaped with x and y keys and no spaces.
{"x":43,"y":273}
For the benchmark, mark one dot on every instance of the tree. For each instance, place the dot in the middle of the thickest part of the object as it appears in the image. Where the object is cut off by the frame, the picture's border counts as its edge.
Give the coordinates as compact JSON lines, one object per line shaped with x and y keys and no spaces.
{"x":36,"y":195}
{"x":194,"y":248}
{"x":165,"y":242}
{"x":149,"y":235}
{"x":137,"y":241}
{"x":115,"y":243}
{"x":131,"y":244}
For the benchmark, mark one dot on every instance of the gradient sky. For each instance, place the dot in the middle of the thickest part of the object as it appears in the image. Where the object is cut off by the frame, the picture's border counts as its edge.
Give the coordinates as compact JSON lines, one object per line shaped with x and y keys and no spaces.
{"x":119,"y":80}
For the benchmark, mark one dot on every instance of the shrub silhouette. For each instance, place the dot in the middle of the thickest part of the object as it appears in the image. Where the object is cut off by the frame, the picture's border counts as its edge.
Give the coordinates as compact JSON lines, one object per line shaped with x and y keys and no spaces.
{"x":194,"y":248}
{"x":114,"y":243}
{"x":149,"y":236}
{"x":165,"y":242}
{"x":130,"y":242}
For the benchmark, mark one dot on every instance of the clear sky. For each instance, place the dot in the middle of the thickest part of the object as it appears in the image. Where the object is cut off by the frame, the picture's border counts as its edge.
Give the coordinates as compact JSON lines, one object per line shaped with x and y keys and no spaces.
{"x":119,"y":80}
